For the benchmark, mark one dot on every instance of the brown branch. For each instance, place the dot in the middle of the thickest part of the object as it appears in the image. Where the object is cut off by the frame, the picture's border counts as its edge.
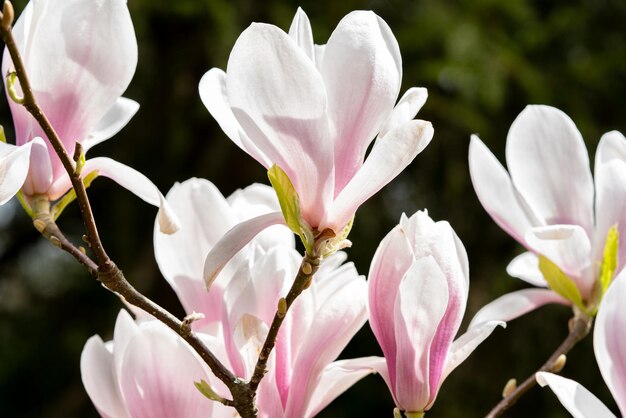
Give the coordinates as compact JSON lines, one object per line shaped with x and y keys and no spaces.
{"x":579,"y":327}
{"x":45,"y":224}
{"x":308,"y":268}
{"x":105,"y":270}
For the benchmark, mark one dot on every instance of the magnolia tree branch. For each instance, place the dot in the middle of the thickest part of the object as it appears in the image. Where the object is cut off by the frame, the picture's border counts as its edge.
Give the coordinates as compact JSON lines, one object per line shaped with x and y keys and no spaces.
{"x":579,"y":327}
{"x":105,"y":270}
{"x":308,"y":268}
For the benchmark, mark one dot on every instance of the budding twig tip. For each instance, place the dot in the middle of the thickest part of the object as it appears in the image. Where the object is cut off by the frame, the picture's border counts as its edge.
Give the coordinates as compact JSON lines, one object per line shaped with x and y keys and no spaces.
{"x":8,"y":14}
{"x":559,"y":364}
{"x":509,"y":387}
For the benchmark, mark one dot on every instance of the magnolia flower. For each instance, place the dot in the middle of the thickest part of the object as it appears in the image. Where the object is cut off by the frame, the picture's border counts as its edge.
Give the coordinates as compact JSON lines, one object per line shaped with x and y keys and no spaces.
{"x":418,"y":285}
{"x":314,"y":110}
{"x":608,"y":343}
{"x":205,"y":216}
{"x":122,"y":381}
{"x":80,"y":56}
{"x":238,"y":309}
{"x":547,"y":204}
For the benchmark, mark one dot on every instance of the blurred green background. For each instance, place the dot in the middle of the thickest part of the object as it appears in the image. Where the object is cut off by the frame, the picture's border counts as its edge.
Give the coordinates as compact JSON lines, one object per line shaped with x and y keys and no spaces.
{"x":482,"y":62}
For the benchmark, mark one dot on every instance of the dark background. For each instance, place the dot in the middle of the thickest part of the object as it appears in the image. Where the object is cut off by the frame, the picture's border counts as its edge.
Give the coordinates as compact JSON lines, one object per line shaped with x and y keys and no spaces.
{"x":482,"y":62}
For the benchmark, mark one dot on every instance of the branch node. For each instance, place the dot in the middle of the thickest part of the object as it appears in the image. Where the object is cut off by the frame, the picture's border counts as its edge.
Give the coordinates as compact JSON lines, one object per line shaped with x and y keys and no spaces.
{"x":190,"y":319}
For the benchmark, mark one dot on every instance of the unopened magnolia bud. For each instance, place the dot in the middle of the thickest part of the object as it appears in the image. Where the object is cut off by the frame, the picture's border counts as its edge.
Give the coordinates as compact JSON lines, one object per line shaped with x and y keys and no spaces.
{"x":82,"y":249}
{"x":509,"y":387}
{"x":55,"y":241}
{"x":8,"y":14}
{"x":559,"y":364}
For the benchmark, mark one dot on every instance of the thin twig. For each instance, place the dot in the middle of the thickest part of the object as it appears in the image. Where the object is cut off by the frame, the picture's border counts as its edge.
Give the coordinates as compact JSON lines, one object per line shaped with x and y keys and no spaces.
{"x":579,"y":327}
{"x":106,"y":271}
{"x":308,"y":268}
{"x":45,"y":224}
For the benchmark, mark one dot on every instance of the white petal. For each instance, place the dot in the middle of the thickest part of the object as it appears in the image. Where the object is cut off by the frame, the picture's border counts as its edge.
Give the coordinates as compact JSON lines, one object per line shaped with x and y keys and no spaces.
{"x":608,"y":340}
{"x":463,"y":346}
{"x":362,"y":71}
{"x":300,"y":32}
{"x":406,"y":109}
{"x":14,"y":167}
{"x":235,"y":240}
{"x":568,"y":247}
{"x":130,"y":179}
{"x":515,"y":304}
{"x":100,"y":381}
{"x":526,"y":267}
{"x":575,"y":398}
{"x":113,"y":121}
{"x":496,"y":192}
{"x":338,"y":377}
{"x":159,"y":374}
{"x":610,"y":172}
{"x":549,"y":165}
{"x":334,"y":324}
{"x":95,"y":50}
{"x":420,"y":307}
{"x":205,"y":217}
{"x":278,"y":97}
{"x":389,"y":156}
{"x":215,"y":97}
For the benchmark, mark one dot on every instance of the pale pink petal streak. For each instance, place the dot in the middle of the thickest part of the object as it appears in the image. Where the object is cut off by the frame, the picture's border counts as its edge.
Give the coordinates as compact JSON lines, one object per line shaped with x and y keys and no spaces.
{"x":389,"y":156}
{"x":362,"y":71}
{"x":608,"y":340}
{"x":497,"y":193}
{"x":279,"y":99}
{"x":549,"y":165}
{"x":515,"y":304}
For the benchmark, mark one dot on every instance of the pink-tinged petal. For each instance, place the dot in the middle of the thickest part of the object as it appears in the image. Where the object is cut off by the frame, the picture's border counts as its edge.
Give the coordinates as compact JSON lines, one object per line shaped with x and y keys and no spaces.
{"x":610,"y":172}
{"x":526,"y":267}
{"x":269,"y":402}
{"x":205,"y":217}
{"x":463,"y":346}
{"x":568,"y":247}
{"x":249,"y":336}
{"x":420,"y":306}
{"x":278,"y":97}
{"x":362,"y":71}
{"x":497,"y":193}
{"x":334,"y":325}
{"x":541,"y":142}
{"x":158,"y":376}
{"x":575,"y":398}
{"x":94,"y":46}
{"x":259,"y":199}
{"x":14,"y":167}
{"x":389,"y":156}
{"x":215,"y":97}
{"x":99,"y":379}
{"x":406,"y":109}
{"x":194,"y":298}
{"x":130,"y":179}
{"x":391,"y":261}
{"x":113,"y":121}
{"x":338,"y":377}
{"x":233,"y":241}
{"x":300,"y":32}
{"x":515,"y":304}
{"x":608,"y":340}
{"x":125,"y":330}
